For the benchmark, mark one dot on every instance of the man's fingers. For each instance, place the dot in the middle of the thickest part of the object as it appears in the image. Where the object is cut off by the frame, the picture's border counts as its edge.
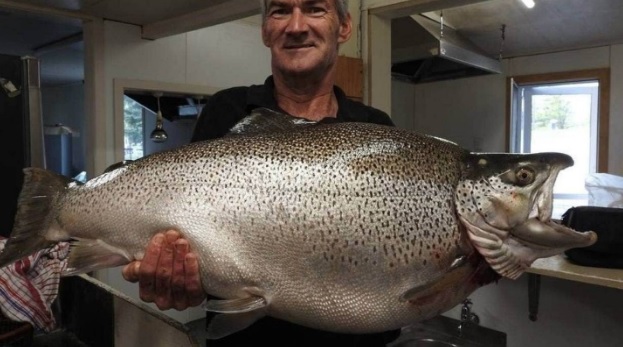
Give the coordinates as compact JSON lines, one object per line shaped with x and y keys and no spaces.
{"x":147,"y":270}
{"x":194,"y":291}
{"x":168,"y":274}
{"x":130,"y":271}
{"x":165,"y":269}
{"x":178,"y":282}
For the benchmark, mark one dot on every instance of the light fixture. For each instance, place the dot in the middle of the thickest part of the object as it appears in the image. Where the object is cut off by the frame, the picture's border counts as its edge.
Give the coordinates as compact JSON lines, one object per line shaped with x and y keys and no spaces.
{"x":528,"y":3}
{"x":9,"y":88}
{"x":158,"y":134}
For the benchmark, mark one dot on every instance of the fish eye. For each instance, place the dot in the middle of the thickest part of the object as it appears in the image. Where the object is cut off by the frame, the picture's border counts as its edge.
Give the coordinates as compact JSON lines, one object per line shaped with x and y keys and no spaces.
{"x":524,"y":176}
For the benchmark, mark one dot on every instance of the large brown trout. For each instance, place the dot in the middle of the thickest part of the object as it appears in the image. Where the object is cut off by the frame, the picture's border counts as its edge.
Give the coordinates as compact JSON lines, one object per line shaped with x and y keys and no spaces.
{"x":346,"y":227}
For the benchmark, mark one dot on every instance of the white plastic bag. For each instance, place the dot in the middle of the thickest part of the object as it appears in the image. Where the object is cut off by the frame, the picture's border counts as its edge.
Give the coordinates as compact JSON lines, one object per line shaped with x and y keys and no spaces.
{"x":605,"y":190}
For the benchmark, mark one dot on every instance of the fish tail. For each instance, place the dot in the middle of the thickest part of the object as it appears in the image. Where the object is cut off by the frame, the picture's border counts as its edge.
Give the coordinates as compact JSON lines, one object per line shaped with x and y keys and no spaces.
{"x":35,"y":208}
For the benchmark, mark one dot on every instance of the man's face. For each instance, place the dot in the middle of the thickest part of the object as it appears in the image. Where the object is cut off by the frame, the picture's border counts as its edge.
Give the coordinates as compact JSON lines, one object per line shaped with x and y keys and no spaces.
{"x":303,"y":35}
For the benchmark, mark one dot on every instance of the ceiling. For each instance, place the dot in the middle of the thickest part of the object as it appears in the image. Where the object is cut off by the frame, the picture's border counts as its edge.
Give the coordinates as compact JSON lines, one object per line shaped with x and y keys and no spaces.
{"x":551,"y":26}
{"x":51,"y":30}
{"x":55,"y":41}
{"x":34,"y":27}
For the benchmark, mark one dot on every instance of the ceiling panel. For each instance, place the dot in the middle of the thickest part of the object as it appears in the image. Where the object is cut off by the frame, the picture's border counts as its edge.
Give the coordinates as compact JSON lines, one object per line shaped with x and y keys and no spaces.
{"x":144,"y":11}
{"x":22,"y":33}
{"x":552,"y":25}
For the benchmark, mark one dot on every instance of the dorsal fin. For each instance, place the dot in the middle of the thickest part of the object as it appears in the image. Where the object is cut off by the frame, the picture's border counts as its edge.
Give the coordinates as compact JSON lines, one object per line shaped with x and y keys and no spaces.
{"x":117,"y":165}
{"x":266,"y":120}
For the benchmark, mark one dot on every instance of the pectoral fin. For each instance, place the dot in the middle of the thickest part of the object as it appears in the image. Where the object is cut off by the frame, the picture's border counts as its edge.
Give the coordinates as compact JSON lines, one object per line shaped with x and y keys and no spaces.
{"x":226,"y":324}
{"x":236,"y":315}
{"x":432,"y":286}
{"x":235,"y":305}
{"x":88,"y":255}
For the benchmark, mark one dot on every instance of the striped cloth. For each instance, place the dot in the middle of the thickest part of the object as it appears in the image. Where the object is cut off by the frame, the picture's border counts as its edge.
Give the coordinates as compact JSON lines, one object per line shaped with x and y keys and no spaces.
{"x":29,"y":287}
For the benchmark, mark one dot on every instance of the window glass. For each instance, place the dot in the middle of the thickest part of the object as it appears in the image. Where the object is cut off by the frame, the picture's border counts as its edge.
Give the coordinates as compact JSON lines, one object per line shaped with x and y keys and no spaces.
{"x":133,"y":129}
{"x":559,"y":117}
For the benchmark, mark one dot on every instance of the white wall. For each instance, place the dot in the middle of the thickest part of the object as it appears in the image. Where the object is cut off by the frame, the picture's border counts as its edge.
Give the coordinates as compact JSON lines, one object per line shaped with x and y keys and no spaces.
{"x":471,"y":112}
{"x":222,"y":56}
{"x":468,"y":111}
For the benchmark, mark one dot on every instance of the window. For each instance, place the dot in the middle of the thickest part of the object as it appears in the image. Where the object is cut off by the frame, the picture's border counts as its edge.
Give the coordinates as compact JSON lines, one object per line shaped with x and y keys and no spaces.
{"x":563,"y":112}
{"x":133,"y":137}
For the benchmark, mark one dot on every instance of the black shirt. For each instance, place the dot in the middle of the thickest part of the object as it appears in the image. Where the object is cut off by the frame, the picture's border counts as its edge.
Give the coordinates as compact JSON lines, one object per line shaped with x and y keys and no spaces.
{"x":222,"y":111}
{"x":227,"y":107}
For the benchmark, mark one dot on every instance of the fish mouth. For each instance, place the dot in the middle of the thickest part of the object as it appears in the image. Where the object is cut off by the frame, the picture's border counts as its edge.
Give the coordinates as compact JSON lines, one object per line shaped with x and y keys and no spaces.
{"x":539,"y":230}
{"x":551,"y":236}
{"x":510,"y":252}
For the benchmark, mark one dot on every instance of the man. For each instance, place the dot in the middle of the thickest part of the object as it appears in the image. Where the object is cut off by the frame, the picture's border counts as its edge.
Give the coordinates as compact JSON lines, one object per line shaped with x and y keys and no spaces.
{"x":304,"y":38}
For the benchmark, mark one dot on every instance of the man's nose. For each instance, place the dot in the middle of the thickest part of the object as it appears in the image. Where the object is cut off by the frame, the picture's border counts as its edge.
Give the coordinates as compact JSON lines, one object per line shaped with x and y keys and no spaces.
{"x":297,"y":22}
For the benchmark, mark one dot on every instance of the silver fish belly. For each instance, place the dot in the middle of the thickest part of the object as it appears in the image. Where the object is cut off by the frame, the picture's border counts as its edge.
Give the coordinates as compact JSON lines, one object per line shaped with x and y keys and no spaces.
{"x":345,"y":227}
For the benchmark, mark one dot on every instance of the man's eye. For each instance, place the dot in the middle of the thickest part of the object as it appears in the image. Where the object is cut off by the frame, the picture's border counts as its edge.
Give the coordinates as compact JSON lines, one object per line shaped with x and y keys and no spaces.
{"x":277,"y":12}
{"x":316,"y":11}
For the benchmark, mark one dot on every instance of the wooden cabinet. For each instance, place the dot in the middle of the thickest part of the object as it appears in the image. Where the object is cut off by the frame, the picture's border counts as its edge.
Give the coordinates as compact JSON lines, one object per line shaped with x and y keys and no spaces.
{"x":349,"y":77}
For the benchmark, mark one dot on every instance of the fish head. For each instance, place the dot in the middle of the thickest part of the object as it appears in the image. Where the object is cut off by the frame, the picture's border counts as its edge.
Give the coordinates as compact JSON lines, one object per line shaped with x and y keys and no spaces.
{"x":505,"y":202}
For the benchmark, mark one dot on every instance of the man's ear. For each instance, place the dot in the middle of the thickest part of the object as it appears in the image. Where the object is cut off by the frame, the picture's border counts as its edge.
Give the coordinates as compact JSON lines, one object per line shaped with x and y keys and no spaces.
{"x":346,"y":27}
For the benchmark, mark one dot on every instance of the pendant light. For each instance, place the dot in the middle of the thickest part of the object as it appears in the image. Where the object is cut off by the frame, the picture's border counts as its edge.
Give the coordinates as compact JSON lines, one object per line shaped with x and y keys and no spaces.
{"x":158,"y":134}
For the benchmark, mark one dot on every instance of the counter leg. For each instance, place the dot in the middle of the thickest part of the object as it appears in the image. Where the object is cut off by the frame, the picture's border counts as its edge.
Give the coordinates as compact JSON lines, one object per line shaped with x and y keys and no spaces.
{"x":534,"y":286}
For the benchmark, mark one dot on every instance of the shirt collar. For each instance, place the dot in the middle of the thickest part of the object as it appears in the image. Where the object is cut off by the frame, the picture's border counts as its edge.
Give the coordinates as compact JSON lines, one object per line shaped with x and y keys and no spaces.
{"x":263,"y":95}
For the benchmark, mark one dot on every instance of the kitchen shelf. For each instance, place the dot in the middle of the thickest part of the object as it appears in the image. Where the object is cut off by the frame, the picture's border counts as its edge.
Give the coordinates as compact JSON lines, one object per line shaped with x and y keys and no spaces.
{"x":559,"y":267}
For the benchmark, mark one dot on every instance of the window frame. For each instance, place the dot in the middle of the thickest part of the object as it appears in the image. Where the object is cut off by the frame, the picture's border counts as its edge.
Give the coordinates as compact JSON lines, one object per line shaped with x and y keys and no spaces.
{"x":603,"y":118}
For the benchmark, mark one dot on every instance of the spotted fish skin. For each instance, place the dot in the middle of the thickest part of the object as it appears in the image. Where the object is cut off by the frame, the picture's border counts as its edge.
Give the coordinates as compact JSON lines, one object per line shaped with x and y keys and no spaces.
{"x":346,"y":227}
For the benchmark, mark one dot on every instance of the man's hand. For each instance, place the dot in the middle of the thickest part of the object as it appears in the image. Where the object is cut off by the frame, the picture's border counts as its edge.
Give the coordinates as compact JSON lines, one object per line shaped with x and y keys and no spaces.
{"x":168,"y":274}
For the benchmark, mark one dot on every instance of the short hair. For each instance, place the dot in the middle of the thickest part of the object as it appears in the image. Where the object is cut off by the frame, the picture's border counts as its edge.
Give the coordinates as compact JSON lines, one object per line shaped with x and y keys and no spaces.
{"x":341,"y":6}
